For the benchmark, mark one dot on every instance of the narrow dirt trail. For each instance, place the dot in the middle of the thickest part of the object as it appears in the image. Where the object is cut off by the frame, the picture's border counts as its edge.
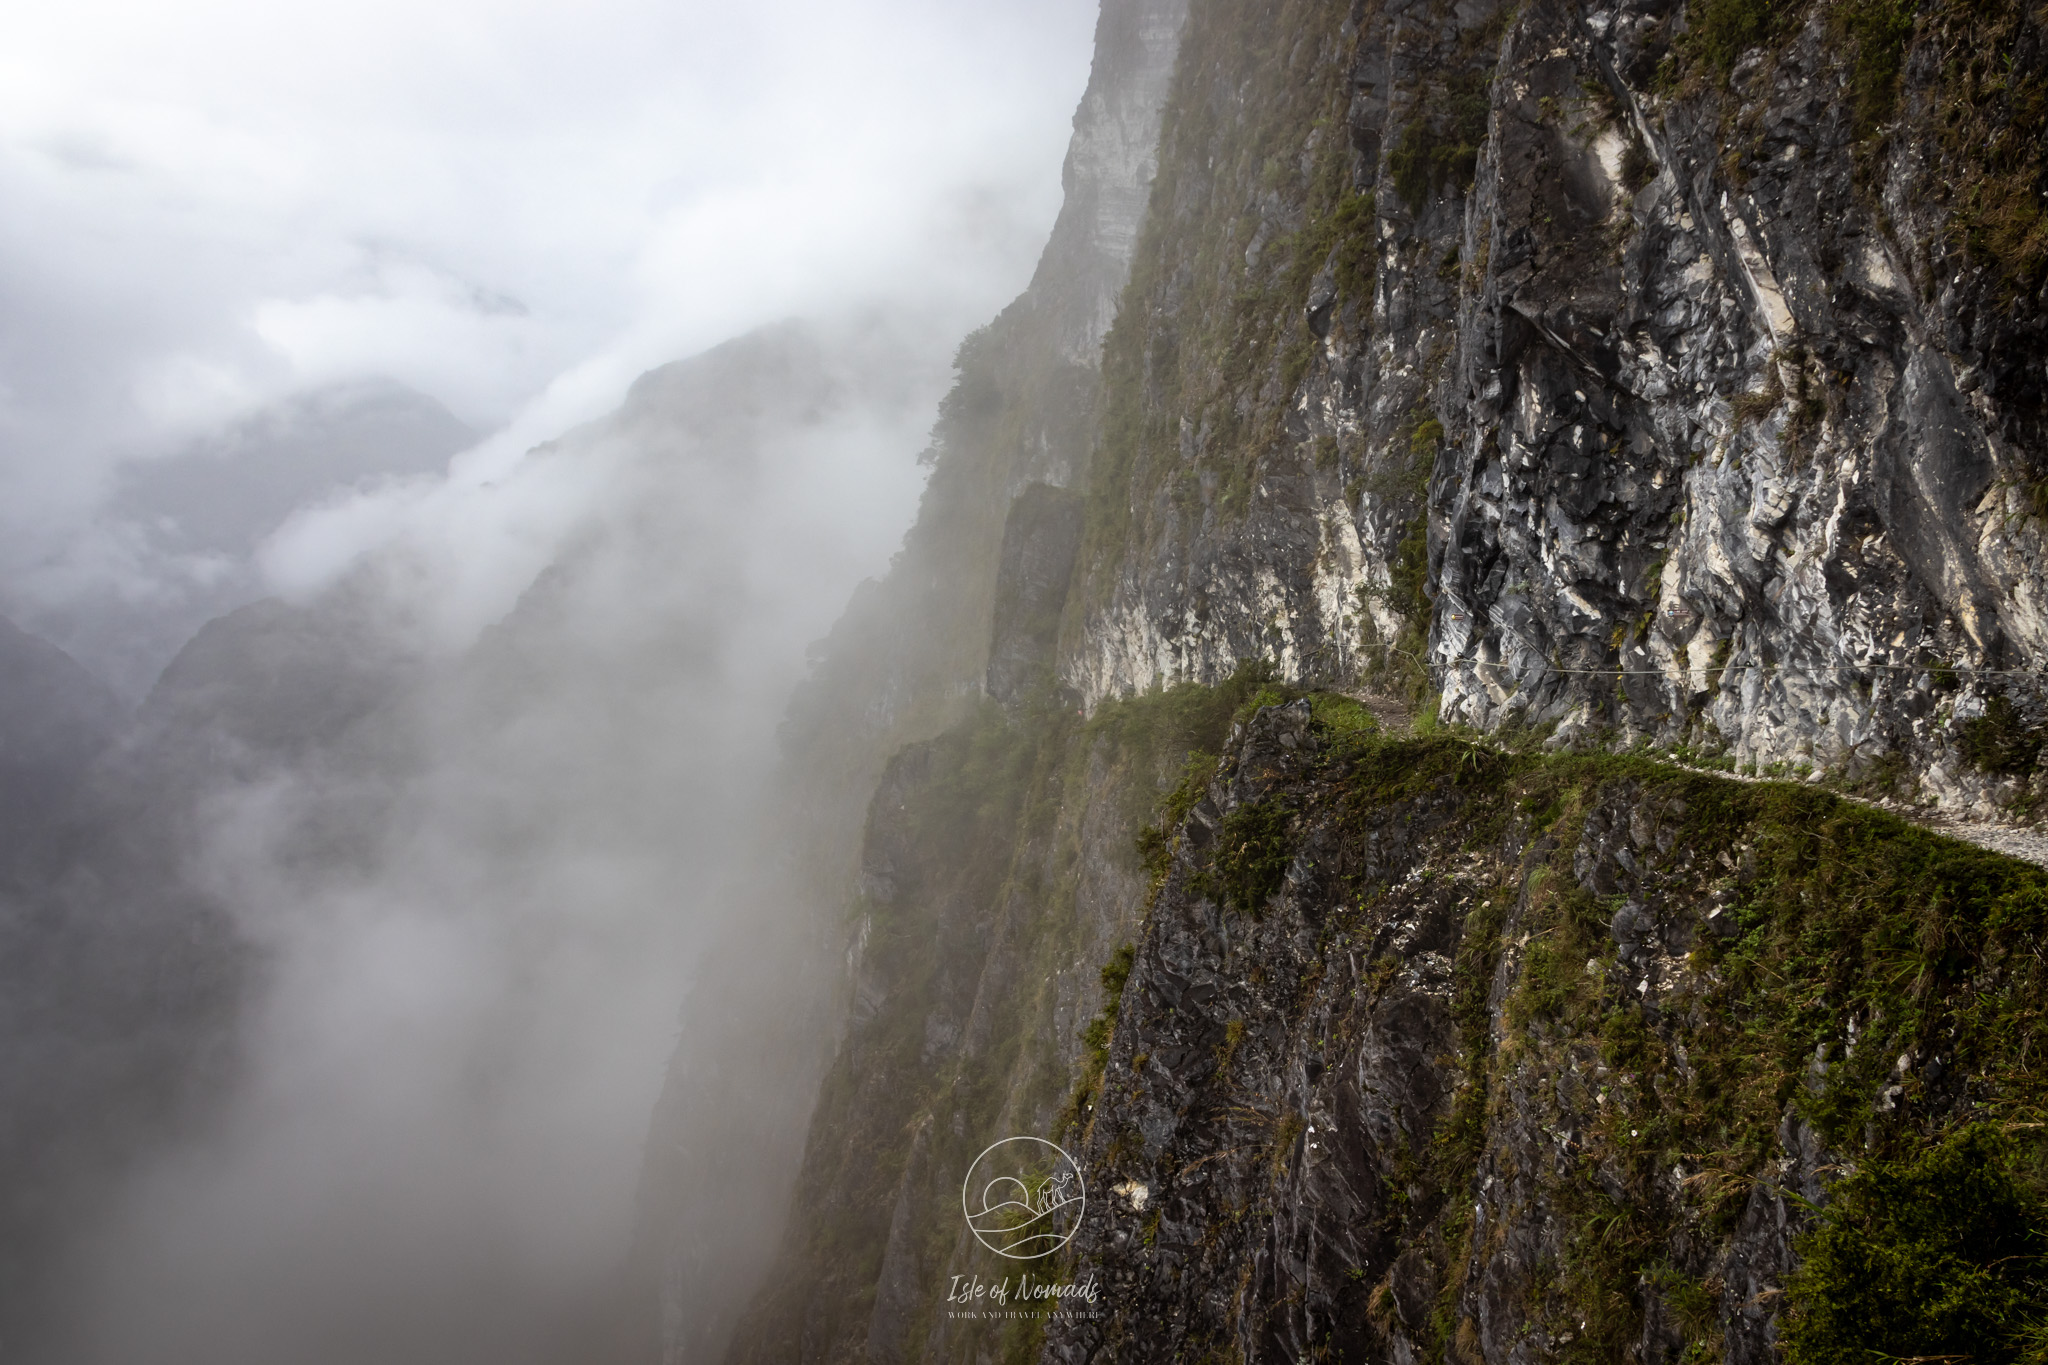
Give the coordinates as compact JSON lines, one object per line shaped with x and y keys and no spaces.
{"x":2015,"y":841}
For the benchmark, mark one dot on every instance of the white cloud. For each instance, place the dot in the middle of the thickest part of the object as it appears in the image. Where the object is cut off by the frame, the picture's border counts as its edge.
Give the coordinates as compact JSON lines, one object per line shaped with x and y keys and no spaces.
{"x":503,"y":204}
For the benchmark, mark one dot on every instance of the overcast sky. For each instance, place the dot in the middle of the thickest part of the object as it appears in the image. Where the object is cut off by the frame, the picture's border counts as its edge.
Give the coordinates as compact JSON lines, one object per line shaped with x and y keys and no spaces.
{"x":513,"y":206}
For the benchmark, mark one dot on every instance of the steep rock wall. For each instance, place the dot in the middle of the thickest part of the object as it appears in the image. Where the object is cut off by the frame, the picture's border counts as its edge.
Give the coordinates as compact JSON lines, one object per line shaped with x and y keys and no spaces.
{"x":1752,"y":414}
{"x":1610,"y":376}
{"x":1713,"y":360}
{"x":1434,"y":1052}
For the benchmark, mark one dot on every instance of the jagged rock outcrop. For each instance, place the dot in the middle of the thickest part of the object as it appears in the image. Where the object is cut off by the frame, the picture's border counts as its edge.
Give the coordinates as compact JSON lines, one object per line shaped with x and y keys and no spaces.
{"x":1429,"y":1051}
{"x":1713,"y":360}
{"x":1036,"y":568}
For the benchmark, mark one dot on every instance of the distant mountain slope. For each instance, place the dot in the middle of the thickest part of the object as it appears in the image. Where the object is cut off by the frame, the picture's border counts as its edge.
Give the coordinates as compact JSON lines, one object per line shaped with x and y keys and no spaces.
{"x":175,"y":542}
{"x":361,"y":963}
{"x":116,"y":984}
{"x":226,"y":491}
{"x":56,"y":719}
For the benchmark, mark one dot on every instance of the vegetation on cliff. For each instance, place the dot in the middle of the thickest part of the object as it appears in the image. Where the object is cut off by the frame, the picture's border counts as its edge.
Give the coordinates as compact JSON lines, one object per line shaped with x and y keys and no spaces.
{"x":1769,"y":1024}
{"x":1511,"y":352}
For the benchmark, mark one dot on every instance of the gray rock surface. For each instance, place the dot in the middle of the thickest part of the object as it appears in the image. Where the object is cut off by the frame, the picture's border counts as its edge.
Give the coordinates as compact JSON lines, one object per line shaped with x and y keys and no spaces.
{"x":1040,"y":539}
{"x":1639,"y":434}
{"x":1343,"y":1123}
{"x":1793,"y":485}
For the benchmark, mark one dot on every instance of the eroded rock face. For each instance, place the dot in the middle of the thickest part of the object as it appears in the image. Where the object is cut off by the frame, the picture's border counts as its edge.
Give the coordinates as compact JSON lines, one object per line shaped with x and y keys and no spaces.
{"x":1745,"y":433}
{"x":1039,"y":542}
{"x":1472,"y":1076}
{"x":1672,"y":408}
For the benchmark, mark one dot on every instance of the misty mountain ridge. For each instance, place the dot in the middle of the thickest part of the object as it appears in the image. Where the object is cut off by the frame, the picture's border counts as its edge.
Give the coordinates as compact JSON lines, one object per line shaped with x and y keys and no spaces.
{"x":227,"y":490}
{"x":56,"y":721}
{"x":175,"y":542}
{"x":308,"y":782}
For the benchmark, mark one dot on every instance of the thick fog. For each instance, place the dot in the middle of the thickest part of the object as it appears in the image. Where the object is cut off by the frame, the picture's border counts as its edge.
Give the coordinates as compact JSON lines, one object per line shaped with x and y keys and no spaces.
{"x":508,"y":209}
{"x":345,"y":960}
{"x":478,"y":877}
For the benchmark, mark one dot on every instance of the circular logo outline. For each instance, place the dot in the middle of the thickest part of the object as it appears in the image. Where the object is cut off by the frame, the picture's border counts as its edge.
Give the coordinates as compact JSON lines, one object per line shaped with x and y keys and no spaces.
{"x":1034,"y":1201}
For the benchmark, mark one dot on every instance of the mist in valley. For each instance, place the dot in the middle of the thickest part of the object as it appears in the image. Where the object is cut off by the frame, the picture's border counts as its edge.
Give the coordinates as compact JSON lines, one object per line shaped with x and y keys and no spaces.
{"x":431,"y":443}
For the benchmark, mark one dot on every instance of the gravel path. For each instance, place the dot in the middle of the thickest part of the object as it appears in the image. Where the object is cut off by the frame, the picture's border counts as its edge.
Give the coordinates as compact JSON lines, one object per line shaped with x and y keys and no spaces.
{"x":2014,"y":841}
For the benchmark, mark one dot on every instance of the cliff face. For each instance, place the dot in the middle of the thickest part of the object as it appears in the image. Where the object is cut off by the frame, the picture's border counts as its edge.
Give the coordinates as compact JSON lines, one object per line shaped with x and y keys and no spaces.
{"x":1810,"y":344}
{"x":1663,"y":376}
{"x":951,"y":968}
{"x":1430,"y":1051}
{"x":1678,"y":376}
{"x":909,"y":655}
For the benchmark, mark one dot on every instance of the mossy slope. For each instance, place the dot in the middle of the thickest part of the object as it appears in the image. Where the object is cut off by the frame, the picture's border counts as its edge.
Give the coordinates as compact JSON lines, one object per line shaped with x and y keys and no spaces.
{"x":1561,"y":1056}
